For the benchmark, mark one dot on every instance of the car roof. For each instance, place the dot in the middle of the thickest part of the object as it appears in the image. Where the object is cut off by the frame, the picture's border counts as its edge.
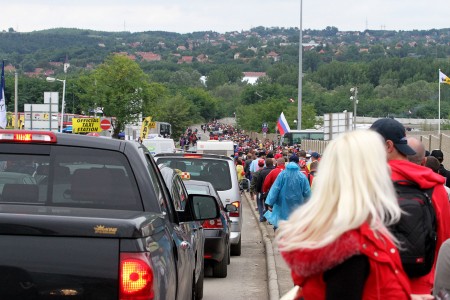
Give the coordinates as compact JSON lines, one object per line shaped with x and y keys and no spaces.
{"x":193,"y":155}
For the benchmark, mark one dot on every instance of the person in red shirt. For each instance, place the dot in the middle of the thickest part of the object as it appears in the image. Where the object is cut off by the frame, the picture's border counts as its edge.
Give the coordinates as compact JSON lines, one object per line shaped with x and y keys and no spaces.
{"x":397,"y":150}
{"x":270,"y":178}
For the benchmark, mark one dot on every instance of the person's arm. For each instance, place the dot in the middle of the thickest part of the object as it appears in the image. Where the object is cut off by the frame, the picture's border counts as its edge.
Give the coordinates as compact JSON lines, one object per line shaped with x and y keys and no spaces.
{"x":347,"y":280}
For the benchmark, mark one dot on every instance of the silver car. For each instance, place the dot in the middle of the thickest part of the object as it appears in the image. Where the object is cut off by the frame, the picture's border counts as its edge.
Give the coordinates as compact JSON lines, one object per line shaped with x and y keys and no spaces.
{"x":220,"y":171}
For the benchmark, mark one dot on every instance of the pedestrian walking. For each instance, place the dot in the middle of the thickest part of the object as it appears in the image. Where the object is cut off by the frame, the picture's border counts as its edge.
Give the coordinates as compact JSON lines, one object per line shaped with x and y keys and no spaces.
{"x":403,"y":171}
{"x":290,"y":190}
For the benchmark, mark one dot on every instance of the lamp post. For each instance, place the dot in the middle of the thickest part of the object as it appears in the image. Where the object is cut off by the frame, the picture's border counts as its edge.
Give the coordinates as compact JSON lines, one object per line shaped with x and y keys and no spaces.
{"x":52,"y":79}
{"x":300,"y":70}
{"x":354,"y":98}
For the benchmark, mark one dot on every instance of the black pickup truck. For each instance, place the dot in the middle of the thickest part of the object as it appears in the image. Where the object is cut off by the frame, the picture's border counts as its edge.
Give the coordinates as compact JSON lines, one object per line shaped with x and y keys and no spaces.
{"x":91,"y":218}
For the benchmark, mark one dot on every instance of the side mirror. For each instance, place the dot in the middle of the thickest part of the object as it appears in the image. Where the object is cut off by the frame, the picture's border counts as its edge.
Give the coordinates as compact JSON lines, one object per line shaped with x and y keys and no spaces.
{"x":231,"y":208}
{"x":204,"y":207}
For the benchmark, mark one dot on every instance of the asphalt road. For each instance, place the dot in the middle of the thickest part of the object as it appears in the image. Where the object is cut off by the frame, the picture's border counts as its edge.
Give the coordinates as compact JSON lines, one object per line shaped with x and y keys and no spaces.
{"x":247,"y":274}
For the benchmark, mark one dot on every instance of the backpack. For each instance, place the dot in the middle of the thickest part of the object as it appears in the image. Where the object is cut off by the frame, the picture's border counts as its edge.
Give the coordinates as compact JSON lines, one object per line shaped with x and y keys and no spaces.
{"x":416,"y":230}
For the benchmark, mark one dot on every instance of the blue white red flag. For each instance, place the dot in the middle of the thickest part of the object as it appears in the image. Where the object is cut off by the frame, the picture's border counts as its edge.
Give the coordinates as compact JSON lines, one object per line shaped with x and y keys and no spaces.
{"x":2,"y":99}
{"x":283,"y":126}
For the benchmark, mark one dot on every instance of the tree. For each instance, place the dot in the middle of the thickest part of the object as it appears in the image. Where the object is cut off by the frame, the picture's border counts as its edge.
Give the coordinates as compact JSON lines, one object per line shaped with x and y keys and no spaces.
{"x":120,"y":87}
{"x":177,"y":111}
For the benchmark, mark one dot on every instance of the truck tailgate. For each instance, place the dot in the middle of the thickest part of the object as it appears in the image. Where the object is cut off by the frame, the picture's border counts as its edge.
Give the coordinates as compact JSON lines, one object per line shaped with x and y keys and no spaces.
{"x":58,"y":267}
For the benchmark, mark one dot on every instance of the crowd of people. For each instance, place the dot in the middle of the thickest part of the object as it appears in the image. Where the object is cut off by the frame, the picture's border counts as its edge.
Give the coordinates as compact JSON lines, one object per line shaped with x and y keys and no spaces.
{"x":341,"y":218}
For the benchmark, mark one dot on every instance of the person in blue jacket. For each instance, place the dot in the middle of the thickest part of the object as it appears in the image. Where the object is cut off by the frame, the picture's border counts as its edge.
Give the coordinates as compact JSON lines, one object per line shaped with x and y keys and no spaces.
{"x":290,"y":190}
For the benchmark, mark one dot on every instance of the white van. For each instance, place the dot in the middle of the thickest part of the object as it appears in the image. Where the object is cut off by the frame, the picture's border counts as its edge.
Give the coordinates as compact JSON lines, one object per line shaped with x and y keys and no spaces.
{"x":216,"y":147}
{"x":159,"y":145}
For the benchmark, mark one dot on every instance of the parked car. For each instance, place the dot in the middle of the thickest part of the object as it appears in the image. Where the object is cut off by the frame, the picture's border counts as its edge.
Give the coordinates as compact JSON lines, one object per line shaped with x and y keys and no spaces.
{"x":179,"y":195}
{"x":220,"y":171}
{"x":217,"y":232}
{"x":98,"y":224}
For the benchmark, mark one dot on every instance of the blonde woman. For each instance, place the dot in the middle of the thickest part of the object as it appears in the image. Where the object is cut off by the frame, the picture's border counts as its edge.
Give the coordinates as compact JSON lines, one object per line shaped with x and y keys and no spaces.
{"x":337,"y":244}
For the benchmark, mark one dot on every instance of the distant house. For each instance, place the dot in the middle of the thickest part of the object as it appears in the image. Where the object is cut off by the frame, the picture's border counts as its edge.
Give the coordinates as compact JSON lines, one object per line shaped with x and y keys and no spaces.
{"x":273,"y":55}
{"x":181,"y":48}
{"x":236,"y":55}
{"x":364,"y":50}
{"x":10,"y":68}
{"x":186,"y":59}
{"x":254,"y":49}
{"x":149,"y":56}
{"x":252,"y":77}
{"x":202,"y":58}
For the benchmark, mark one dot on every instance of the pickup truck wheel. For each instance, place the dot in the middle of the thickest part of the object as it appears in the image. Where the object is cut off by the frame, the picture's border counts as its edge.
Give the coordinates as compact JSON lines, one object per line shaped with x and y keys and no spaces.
{"x":236,"y":249}
{"x":220,"y":269}
{"x":198,"y":289}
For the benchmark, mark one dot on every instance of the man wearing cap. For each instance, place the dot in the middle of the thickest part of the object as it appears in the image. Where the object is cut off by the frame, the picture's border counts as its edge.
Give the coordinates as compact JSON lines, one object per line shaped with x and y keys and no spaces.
{"x":254,"y":181}
{"x":397,"y":150}
{"x":259,"y":187}
{"x":442,"y":170}
{"x":290,"y":190}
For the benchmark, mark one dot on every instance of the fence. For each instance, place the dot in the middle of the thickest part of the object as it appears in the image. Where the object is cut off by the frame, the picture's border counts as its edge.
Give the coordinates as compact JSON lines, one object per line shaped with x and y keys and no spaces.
{"x":430,"y":139}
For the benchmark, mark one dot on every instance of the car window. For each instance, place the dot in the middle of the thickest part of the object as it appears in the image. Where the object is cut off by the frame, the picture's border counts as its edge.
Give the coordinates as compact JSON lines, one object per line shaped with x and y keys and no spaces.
{"x":70,"y":177}
{"x":217,"y":172}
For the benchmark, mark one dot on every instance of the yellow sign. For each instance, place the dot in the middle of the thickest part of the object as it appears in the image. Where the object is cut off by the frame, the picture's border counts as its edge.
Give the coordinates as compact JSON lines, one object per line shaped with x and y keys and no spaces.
{"x":152,"y":125}
{"x":145,"y":128}
{"x":86,"y":125}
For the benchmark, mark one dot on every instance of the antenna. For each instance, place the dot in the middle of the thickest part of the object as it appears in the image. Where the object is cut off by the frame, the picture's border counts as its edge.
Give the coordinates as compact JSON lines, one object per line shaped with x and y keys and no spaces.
{"x":367,"y":24}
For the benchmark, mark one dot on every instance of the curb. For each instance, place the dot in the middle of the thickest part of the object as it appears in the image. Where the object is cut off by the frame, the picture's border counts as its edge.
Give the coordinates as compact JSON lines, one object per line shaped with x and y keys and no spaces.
{"x":272,"y":277}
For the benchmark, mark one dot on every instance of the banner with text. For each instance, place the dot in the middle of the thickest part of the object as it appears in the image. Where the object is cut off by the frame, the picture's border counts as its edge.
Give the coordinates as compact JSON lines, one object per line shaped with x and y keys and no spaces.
{"x":86,"y":125}
{"x":145,"y":128}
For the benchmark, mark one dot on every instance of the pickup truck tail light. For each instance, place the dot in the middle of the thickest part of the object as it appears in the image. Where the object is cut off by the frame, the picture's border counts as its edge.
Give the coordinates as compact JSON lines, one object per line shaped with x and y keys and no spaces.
{"x":235,"y":213}
{"x":136,"y":276}
{"x":213,"y":224}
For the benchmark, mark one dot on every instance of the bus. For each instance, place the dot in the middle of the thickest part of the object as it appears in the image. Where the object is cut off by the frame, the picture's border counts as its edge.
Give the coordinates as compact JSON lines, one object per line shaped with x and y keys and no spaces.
{"x":296,"y":136}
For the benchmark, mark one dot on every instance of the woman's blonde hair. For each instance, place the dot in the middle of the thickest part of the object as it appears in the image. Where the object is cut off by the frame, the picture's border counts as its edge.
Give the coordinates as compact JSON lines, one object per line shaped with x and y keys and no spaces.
{"x":352,"y":186}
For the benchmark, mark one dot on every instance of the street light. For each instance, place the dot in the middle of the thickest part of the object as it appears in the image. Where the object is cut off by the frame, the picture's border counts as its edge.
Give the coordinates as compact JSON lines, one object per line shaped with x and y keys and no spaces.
{"x":52,"y":79}
{"x":300,"y":70}
{"x":354,"y":98}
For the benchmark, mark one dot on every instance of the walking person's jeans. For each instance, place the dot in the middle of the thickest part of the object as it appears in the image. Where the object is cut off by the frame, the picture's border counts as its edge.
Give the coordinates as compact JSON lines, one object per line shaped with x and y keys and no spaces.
{"x":261,"y":207}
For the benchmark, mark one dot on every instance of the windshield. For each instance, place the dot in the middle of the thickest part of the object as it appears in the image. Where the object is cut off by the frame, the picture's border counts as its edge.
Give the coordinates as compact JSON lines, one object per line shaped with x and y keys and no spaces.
{"x":217,"y":172}
{"x":70,"y":177}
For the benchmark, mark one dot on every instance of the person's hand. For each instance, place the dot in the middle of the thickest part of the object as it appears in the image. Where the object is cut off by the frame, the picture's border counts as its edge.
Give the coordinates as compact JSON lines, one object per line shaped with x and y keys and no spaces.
{"x":421,"y":297}
{"x":269,"y":208}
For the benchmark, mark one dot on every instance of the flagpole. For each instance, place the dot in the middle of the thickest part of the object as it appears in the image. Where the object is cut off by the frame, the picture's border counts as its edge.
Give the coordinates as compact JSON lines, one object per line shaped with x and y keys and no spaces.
{"x":439,"y":105}
{"x":16,"y":100}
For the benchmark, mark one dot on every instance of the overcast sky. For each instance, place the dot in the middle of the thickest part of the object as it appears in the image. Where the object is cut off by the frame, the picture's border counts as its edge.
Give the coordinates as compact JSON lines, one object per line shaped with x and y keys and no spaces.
{"x":185,"y":16}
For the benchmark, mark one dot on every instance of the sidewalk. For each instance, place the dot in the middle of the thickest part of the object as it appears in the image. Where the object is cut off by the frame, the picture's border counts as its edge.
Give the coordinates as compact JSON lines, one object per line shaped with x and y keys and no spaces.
{"x":278,"y":273}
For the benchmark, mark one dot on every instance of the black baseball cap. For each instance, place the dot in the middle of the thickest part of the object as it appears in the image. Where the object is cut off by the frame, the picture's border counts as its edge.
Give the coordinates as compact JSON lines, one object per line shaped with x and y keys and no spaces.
{"x":437,"y":153}
{"x":394,"y":131}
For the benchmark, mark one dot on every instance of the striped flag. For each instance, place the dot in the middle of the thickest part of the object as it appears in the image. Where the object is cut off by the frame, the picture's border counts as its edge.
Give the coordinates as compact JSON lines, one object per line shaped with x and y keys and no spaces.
{"x":2,"y":99}
{"x":282,"y":124}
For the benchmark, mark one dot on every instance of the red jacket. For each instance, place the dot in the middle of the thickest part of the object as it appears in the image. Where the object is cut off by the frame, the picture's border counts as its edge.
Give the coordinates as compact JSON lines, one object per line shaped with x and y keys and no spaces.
{"x":270,"y":178}
{"x":386,"y":280}
{"x":426,"y":178}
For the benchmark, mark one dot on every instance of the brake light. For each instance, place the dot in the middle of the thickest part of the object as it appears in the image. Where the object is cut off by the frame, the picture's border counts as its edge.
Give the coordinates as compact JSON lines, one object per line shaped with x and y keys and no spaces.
{"x":27,"y":136}
{"x":212,"y":224}
{"x":193,"y":155}
{"x":136,"y":277}
{"x":235,"y":213}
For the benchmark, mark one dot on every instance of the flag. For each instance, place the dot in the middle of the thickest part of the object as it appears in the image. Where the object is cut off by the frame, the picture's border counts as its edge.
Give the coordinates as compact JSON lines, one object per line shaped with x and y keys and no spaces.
{"x":443,"y":78}
{"x":283,"y":126}
{"x":2,"y":99}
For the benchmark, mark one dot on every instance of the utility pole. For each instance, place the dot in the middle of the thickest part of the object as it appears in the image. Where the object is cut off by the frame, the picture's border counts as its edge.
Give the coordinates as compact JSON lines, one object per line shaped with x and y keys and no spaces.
{"x":300,"y":70}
